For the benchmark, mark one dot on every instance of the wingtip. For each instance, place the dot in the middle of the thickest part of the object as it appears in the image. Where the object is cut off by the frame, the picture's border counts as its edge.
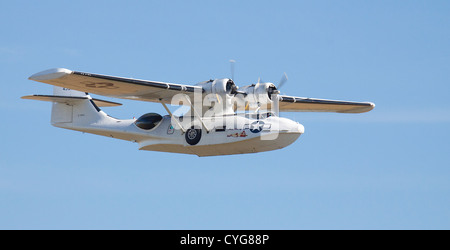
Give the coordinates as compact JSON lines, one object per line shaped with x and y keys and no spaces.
{"x":26,"y":97}
{"x":50,"y":74}
{"x":368,"y":108}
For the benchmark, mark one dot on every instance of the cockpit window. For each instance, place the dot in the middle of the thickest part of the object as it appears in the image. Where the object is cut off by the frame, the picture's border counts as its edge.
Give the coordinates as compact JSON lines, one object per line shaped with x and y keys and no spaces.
{"x":148,"y":121}
{"x":258,"y":116}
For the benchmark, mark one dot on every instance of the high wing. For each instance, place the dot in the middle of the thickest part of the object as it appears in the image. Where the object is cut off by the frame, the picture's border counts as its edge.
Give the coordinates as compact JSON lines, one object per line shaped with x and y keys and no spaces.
{"x":112,"y":86}
{"x":302,"y":104}
{"x":151,"y":91}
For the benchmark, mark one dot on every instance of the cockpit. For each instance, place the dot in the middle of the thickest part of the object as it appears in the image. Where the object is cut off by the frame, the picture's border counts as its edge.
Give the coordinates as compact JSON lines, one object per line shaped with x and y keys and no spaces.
{"x":259,"y":116}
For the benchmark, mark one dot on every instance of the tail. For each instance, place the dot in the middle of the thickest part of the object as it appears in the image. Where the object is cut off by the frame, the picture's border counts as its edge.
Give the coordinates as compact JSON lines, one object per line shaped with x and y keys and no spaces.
{"x":74,"y":109}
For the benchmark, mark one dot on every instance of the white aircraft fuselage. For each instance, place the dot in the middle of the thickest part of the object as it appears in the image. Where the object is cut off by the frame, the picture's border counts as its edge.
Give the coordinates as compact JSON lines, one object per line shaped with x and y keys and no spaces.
{"x":232,"y":134}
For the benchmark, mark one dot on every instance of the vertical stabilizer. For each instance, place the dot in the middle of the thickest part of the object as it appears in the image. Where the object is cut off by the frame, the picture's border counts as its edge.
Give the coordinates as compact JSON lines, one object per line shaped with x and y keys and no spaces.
{"x":73,"y":111}
{"x":59,"y":91}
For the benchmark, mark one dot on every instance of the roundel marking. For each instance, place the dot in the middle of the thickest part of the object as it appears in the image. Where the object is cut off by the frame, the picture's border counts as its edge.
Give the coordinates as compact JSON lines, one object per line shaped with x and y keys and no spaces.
{"x":100,"y":85}
{"x":256,"y":126}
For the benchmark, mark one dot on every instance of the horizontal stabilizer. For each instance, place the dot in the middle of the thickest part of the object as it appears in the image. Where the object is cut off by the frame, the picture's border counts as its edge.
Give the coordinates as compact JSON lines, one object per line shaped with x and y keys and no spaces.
{"x":70,"y":99}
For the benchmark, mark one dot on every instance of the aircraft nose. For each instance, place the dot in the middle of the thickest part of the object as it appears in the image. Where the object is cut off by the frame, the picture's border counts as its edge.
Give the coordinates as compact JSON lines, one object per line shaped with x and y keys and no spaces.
{"x":291,"y":126}
{"x":300,"y":128}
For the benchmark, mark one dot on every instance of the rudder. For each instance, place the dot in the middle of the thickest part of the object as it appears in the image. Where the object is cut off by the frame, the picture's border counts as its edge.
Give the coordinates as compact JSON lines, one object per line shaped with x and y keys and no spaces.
{"x":62,"y":111}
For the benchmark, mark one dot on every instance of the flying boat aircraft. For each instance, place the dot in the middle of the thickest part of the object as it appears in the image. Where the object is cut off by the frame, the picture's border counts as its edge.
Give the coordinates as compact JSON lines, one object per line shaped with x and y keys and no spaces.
{"x":223,"y":119}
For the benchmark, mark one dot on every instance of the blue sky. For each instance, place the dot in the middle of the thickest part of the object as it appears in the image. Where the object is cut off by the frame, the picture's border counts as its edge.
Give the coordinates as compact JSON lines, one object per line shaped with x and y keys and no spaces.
{"x":386,"y":169}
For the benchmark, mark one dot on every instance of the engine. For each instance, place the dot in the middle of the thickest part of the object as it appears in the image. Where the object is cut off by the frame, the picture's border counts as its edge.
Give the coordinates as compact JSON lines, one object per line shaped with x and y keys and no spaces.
{"x":232,"y":98}
{"x":221,"y":87}
{"x":260,"y":93}
{"x":217,"y":96}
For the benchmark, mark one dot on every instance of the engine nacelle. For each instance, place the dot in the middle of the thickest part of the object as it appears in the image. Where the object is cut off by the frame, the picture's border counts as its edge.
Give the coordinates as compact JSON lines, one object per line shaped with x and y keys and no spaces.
{"x":259,"y":94}
{"x":217,"y":96}
{"x":220,"y":87}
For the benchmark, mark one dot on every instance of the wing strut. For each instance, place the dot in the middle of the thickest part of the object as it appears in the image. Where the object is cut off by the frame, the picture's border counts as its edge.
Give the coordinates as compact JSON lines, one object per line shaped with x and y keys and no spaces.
{"x":171,"y":116}
{"x":197,"y":115}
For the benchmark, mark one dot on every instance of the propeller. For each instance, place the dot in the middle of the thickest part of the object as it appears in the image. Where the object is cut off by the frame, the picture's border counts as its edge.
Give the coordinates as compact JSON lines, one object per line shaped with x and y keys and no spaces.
{"x":232,"y":62}
{"x":283,"y":80}
{"x":274,"y":92}
{"x":231,"y":87}
{"x":235,"y":90}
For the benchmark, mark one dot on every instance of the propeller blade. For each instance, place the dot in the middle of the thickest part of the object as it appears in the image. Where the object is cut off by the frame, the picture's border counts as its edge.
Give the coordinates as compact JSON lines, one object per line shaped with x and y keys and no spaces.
{"x":283,"y":80}
{"x":232,"y":62}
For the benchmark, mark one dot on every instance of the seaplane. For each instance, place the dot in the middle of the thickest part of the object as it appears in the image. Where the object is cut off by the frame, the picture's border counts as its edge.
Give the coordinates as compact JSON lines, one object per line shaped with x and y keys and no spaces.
{"x":219,"y":118}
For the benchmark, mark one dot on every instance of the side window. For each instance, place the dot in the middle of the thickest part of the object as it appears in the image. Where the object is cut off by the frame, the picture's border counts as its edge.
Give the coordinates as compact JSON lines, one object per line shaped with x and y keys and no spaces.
{"x":221,"y":128}
{"x":148,"y":121}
